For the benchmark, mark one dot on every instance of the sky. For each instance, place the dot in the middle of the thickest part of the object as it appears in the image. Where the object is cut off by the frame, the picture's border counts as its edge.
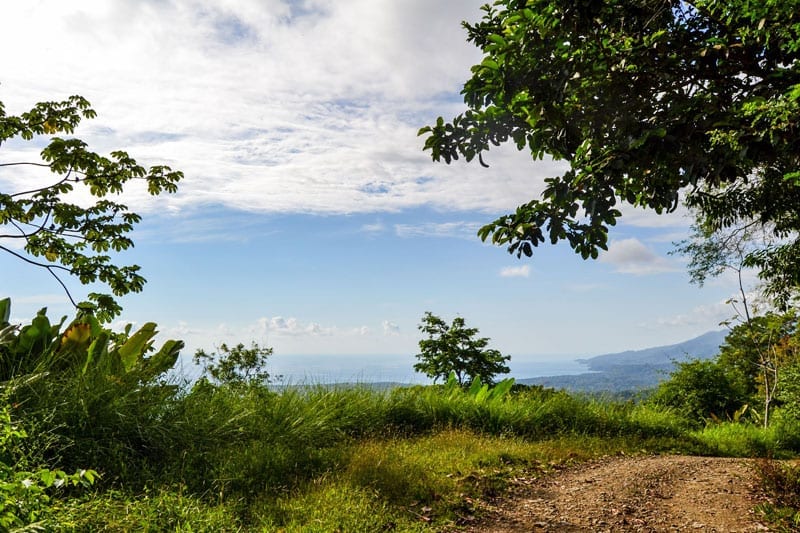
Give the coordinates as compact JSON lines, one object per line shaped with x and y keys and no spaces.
{"x":310,"y":219}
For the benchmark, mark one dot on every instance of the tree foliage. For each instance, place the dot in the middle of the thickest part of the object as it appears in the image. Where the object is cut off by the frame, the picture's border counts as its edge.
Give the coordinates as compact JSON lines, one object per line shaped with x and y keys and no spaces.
{"x":237,"y":365}
{"x":702,"y":390}
{"x":56,"y":229}
{"x":758,"y":351}
{"x":644,"y":99}
{"x":455,"y":349}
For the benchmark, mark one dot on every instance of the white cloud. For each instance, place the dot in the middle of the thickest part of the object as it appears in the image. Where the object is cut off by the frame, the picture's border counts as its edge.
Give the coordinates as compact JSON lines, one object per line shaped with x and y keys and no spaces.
{"x":705,"y":316}
{"x":390,"y":328}
{"x":463,"y":230}
{"x":266,"y":106}
{"x":516,"y":272}
{"x":630,"y":256}
{"x":280,"y":326}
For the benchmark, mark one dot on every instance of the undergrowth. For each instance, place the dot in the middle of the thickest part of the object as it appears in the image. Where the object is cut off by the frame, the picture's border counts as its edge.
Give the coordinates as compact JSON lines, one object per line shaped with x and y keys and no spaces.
{"x":322,"y":458}
{"x":781,"y":483}
{"x":234,"y":454}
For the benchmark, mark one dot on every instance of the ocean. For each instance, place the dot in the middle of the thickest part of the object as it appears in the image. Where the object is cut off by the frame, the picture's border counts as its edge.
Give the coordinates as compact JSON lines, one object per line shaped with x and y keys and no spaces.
{"x":314,"y":369}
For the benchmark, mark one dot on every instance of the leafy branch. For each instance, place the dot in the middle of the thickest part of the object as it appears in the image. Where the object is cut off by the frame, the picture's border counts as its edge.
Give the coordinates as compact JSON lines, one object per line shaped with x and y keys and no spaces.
{"x":71,"y":238}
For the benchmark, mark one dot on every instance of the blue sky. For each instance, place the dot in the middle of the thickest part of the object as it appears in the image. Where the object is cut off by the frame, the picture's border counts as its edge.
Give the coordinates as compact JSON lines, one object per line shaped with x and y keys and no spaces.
{"x":310,"y":220}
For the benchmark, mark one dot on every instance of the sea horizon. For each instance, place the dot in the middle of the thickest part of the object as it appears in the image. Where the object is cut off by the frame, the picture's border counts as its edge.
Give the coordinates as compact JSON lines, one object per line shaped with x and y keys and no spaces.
{"x":365,"y":368}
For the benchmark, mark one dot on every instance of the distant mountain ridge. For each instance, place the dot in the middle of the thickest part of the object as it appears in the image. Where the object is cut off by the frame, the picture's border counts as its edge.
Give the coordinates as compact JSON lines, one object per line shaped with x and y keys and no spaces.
{"x":703,"y":347}
{"x":633,"y":370}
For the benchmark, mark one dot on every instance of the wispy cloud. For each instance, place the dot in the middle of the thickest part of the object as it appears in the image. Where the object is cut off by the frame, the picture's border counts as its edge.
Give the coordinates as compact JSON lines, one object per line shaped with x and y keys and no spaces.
{"x":377,"y":227}
{"x":463,"y":230}
{"x":516,"y":272}
{"x":706,"y":316}
{"x":630,"y":256}
{"x":267,"y":107}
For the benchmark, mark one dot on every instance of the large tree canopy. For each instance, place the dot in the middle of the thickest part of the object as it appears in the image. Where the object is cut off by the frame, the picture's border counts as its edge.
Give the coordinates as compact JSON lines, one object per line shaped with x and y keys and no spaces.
{"x":47,"y":226}
{"x":644,"y":99}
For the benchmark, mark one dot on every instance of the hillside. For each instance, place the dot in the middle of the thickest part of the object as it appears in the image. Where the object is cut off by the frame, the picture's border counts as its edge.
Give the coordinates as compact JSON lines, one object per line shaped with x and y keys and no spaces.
{"x":633,"y":370}
{"x":703,"y":347}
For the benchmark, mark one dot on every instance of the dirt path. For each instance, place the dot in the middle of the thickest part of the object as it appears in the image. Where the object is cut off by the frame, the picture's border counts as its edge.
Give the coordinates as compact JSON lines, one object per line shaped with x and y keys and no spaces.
{"x":649,"y":494}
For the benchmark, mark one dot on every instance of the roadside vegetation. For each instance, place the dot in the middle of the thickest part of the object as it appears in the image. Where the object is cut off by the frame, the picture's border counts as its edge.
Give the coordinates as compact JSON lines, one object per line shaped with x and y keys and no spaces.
{"x":98,"y":437}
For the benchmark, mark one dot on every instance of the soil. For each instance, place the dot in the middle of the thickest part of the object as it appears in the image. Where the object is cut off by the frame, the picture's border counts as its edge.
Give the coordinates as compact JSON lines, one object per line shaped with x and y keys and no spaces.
{"x":648,"y":494}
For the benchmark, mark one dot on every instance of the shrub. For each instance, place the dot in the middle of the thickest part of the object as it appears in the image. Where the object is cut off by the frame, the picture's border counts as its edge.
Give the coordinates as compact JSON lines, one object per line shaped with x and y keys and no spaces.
{"x":700,"y":390}
{"x":25,"y":493}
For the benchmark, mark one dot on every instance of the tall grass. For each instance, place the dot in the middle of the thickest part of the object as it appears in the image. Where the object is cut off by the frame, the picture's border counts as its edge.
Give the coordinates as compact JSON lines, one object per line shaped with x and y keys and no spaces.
{"x":534,"y":414}
{"x":237,"y":440}
{"x":324,"y":458}
{"x":780,"y":439}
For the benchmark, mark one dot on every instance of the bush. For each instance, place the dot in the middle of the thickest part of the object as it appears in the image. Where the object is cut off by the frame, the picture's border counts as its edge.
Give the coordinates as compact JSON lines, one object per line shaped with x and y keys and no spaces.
{"x":100,"y":394}
{"x":25,"y":490}
{"x":781,"y":483}
{"x":701,"y":390}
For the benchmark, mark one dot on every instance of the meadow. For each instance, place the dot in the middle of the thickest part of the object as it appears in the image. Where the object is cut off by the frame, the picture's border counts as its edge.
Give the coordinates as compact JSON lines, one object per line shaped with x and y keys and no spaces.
{"x":95,"y":437}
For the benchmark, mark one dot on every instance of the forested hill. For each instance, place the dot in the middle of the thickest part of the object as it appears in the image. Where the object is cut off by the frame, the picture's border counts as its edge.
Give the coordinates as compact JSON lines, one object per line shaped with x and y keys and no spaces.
{"x":703,"y":347}
{"x":633,"y":370}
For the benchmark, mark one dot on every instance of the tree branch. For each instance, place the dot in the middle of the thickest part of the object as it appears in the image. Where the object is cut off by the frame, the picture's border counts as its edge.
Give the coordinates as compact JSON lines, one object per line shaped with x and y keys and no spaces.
{"x":32,"y":262}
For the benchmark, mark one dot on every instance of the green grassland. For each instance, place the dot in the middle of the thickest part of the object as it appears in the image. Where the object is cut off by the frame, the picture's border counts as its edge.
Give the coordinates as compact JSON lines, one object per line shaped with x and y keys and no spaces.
{"x":241,"y":458}
{"x":95,"y":437}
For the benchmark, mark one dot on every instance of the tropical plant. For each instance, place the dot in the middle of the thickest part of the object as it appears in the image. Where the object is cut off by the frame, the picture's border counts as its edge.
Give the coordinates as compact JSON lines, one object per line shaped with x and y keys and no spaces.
{"x":84,"y":347}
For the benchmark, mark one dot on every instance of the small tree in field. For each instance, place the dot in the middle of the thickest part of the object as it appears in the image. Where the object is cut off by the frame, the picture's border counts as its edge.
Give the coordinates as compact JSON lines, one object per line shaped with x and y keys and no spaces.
{"x":455,"y":349}
{"x":237,"y":365}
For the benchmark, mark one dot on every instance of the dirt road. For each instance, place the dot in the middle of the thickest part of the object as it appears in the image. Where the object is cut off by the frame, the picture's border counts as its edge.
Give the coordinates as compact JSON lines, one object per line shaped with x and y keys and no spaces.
{"x":649,"y":494}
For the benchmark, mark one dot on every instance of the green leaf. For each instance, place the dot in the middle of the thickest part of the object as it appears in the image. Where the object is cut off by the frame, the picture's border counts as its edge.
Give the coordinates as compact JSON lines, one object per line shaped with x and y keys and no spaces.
{"x":162,"y":361}
{"x":48,"y":477}
{"x":490,"y":64}
{"x":497,"y":39}
{"x":97,"y":352}
{"x":132,"y":352}
{"x":501,"y":389}
{"x":5,"y":310}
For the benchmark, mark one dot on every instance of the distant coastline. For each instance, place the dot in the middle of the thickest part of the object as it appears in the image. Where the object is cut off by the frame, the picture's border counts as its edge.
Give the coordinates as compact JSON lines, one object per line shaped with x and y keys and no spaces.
{"x":313,"y":369}
{"x":623,"y":371}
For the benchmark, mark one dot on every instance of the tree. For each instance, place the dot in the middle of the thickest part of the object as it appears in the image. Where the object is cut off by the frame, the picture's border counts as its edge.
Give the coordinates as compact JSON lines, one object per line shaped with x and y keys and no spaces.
{"x":644,"y":99}
{"x":455,"y":349}
{"x":759,"y":350}
{"x":237,"y":365}
{"x":712,"y":252}
{"x":60,"y":231}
